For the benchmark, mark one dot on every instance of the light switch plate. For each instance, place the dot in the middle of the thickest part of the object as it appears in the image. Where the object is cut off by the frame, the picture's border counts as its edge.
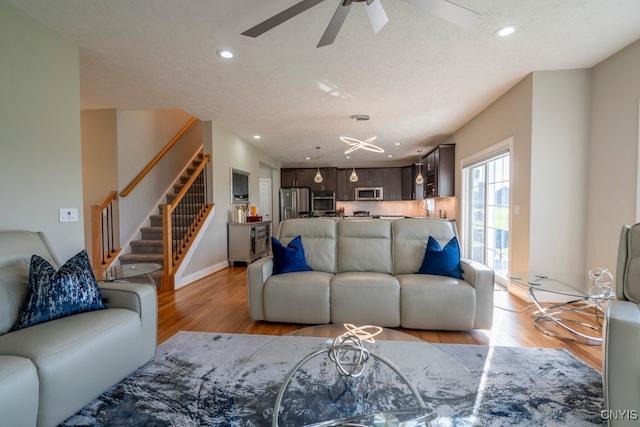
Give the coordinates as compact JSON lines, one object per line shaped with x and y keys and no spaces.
{"x":68,"y":215}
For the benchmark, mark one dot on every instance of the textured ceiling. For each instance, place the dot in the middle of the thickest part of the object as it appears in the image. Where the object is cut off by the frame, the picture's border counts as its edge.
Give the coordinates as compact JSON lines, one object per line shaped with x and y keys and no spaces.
{"x":420,"y":78}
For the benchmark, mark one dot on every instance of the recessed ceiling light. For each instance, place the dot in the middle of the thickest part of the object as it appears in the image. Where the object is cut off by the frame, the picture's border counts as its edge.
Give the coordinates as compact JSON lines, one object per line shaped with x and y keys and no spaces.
{"x":389,"y":155}
{"x":307,"y":158}
{"x":505,"y":31}
{"x":224,"y":53}
{"x":396,"y":144}
{"x":256,"y":137}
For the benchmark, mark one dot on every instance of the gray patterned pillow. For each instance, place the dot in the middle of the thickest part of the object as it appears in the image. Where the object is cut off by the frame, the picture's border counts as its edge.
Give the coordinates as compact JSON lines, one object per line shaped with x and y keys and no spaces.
{"x":53,"y":294}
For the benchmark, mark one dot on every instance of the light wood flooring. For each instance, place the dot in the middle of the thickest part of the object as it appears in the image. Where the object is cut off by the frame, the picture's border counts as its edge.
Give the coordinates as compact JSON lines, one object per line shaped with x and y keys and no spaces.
{"x":218,"y":303}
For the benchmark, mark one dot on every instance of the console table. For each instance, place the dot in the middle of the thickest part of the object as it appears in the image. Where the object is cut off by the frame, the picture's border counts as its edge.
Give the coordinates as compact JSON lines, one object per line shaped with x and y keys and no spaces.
{"x":248,"y":241}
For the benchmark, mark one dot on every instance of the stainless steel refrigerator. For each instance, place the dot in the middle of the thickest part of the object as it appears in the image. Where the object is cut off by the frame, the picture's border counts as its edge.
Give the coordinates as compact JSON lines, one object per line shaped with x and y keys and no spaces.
{"x":293,"y":201}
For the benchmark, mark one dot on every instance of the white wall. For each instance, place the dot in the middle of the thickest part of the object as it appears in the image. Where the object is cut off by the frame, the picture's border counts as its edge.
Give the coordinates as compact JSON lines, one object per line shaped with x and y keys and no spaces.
{"x":40,"y":160}
{"x":613,"y":164}
{"x":559,"y":159}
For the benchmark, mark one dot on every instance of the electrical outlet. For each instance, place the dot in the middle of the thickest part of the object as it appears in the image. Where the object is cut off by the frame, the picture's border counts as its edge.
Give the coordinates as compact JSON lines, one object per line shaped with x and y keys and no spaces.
{"x":68,"y":215}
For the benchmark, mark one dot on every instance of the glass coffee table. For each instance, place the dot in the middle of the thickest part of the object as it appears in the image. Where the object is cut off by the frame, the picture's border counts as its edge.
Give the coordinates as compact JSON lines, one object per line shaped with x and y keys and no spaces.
{"x":294,"y":380}
{"x":575,"y":315}
{"x":130,"y":271}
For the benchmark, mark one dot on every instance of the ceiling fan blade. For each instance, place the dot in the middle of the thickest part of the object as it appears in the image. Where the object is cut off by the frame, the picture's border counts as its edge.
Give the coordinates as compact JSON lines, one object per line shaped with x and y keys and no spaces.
{"x":281,"y":17}
{"x":377,"y":16}
{"x":334,"y":26}
{"x":448,"y":11}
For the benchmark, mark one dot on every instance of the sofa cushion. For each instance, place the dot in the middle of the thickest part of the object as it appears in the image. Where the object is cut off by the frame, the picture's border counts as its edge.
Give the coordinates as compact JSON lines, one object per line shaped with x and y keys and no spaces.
{"x":299,"y":297}
{"x":290,"y":258}
{"x":410,"y":238}
{"x":318,"y":239}
{"x":53,"y":294}
{"x":436,"y":302}
{"x":442,"y":261}
{"x":364,"y":245}
{"x":365,"y":298}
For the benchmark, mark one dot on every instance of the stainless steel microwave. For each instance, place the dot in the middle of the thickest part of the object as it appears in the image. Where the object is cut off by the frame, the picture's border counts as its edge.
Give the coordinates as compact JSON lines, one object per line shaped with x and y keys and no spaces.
{"x":369,"y":193}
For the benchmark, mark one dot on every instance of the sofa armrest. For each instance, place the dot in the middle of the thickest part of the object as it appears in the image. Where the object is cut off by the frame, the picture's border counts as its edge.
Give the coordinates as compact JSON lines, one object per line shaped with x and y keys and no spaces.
{"x":620,"y":369}
{"x":139,"y":297}
{"x":481,"y":278}
{"x":257,"y":274}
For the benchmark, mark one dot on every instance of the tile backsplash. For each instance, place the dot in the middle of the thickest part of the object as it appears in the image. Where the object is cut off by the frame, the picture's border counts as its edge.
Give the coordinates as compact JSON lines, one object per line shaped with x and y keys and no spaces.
{"x":415,"y":208}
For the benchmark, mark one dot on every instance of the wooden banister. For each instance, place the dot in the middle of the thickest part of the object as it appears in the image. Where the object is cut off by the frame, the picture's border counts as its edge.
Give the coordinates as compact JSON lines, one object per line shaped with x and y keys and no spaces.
{"x":174,"y":255}
{"x":133,"y":184}
{"x":103,"y":251}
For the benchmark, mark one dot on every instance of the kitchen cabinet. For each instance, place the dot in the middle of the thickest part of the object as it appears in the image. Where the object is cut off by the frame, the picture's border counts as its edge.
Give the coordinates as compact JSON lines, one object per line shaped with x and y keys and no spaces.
{"x":346,"y":190}
{"x":392,"y":180}
{"x":370,"y":177}
{"x":409,"y":174}
{"x":329,"y":180}
{"x":303,"y":177}
{"x":296,"y":177}
{"x":439,"y":172}
{"x":248,"y":241}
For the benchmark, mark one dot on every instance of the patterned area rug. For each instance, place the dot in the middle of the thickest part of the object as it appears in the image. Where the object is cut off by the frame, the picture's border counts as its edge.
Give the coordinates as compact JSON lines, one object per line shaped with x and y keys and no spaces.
{"x":203,"y":379}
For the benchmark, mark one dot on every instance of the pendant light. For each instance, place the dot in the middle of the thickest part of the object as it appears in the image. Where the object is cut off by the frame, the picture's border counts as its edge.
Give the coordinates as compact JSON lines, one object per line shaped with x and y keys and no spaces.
{"x":354,"y":176}
{"x":419,"y":178}
{"x":318,"y":177}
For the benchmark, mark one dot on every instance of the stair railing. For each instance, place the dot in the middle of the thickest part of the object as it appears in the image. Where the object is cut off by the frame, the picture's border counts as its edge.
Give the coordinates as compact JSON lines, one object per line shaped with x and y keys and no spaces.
{"x":103,"y":229}
{"x":182,"y":219}
{"x":134,"y":183}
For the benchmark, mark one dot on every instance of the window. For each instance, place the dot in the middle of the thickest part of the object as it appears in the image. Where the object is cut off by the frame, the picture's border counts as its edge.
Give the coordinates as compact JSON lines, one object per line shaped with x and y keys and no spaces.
{"x":486,"y":211}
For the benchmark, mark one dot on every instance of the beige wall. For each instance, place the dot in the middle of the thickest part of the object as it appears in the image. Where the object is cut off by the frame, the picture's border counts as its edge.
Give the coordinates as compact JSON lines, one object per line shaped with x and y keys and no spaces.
{"x":613,"y":165}
{"x":100,"y":157}
{"x":40,"y":153}
{"x":228,"y":151}
{"x":142,"y":134}
{"x":508,"y":117}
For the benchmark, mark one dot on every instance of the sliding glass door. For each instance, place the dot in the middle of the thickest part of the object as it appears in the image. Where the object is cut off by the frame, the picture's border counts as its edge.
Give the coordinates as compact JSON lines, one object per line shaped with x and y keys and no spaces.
{"x":487,"y":213}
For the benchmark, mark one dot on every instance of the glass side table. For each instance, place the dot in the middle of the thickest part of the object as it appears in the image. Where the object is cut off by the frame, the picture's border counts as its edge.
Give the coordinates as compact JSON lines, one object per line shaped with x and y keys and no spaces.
{"x":129,"y":271}
{"x":559,"y":319}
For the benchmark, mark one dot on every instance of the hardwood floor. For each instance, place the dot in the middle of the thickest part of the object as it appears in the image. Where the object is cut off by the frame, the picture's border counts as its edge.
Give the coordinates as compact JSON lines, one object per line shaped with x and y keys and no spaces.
{"x":218,"y":303}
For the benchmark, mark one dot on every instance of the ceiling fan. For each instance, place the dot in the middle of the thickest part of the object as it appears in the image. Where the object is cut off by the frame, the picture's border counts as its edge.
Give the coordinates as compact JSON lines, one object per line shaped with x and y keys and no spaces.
{"x":377,"y":17}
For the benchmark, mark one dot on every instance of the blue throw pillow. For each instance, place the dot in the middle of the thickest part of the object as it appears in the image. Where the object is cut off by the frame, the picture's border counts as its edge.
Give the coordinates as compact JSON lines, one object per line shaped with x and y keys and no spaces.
{"x":53,"y":294}
{"x":442,"y":261}
{"x":290,"y":258}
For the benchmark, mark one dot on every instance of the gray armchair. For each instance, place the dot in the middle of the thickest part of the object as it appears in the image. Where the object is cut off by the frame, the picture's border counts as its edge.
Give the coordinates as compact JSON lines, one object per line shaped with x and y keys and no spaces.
{"x":620,"y":364}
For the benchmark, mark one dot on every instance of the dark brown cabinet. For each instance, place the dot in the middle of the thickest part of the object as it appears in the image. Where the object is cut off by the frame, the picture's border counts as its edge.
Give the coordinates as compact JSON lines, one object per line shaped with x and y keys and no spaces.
{"x":329,"y":180}
{"x":297,"y":177}
{"x":303,"y":177}
{"x":346,"y":190}
{"x":409,"y":174}
{"x":439,"y":172}
{"x":370,"y":177}
{"x":392,"y":180}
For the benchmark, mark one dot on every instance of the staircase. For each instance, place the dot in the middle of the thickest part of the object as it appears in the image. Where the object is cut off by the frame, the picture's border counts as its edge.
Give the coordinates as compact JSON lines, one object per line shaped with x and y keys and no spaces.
{"x":149,"y":248}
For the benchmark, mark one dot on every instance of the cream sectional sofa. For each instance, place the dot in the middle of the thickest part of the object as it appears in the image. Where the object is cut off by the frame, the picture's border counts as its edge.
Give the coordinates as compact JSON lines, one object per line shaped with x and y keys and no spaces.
{"x":364,"y":272}
{"x":50,"y":370}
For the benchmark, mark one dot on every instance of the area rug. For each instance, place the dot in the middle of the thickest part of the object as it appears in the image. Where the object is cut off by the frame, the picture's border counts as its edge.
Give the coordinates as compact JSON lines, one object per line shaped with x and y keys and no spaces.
{"x":205,"y":379}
